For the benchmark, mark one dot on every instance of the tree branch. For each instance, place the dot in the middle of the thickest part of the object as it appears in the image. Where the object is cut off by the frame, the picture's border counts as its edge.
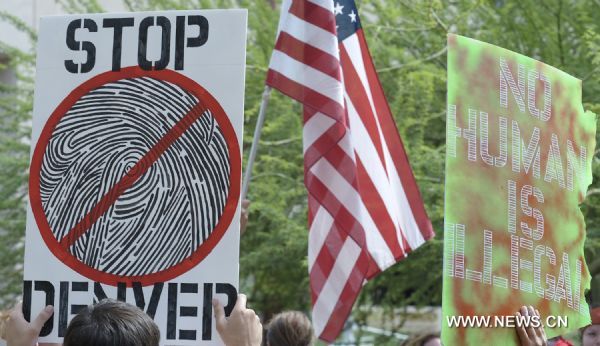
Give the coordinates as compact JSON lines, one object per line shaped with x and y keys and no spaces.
{"x":414,"y":62}
{"x":592,"y":192}
{"x":559,"y":34}
{"x":439,"y":21}
{"x":281,"y":141}
{"x":594,"y":267}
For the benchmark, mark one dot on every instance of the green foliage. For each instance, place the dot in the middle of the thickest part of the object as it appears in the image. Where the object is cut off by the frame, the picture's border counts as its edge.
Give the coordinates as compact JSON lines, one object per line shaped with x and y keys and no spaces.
{"x":407,"y":40}
{"x":15,"y":109}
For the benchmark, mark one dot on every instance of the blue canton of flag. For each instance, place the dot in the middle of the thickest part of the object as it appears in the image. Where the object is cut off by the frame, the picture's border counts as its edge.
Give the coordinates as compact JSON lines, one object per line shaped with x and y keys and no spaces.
{"x":346,"y":18}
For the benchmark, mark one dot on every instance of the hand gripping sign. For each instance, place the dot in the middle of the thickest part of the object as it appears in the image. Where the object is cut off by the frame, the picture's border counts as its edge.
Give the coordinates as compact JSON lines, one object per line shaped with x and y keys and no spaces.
{"x":519,"y":148}
{"x":135,"y":172}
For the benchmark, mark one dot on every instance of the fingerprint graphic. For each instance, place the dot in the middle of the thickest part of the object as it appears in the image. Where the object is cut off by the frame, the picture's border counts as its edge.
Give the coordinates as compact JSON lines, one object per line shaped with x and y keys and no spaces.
{"x":169,"y":211}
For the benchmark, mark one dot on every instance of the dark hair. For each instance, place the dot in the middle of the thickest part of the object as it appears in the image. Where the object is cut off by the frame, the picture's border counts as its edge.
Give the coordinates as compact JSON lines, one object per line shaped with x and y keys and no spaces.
{"x":290,"y":328}
{"x":112,"y":323}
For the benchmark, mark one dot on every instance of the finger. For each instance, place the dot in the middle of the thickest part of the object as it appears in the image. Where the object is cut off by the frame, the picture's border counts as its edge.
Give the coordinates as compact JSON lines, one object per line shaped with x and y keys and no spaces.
{"x":542,"y":329}
{"x":543,"y":333}
{"x":17,"y":312}
{"x":219,"y":314}
{"x":523,"y":310}
{"x":539,"y":331}
{"x":527,"y":321}
{"x":42,"y":317}
{"x":535,"y":314}
{"x":240,"y":304}
{"x":521,"y":331}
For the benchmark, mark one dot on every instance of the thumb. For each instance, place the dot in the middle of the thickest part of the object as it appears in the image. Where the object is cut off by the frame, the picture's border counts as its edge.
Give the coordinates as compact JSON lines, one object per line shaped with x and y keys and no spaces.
{"x":42,"y":317}
{"x":219,"y":314}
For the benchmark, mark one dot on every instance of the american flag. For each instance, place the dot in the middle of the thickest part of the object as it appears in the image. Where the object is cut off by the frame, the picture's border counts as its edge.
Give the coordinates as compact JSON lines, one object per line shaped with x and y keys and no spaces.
{"x":365,"y":210}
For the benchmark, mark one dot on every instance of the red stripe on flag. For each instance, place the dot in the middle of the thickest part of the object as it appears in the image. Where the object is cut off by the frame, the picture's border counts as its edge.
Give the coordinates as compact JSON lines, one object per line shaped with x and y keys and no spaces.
{"x":394,"y":142}
{"x":314,"y":14}
{"x":308,"y":55}
{"x":357,"y":93}
{"x":328,"y":140}
{"x":325,"y":260}
{"x":313,"y":207}
{"x":407,"y":248}
{"x":341,"y":215}
{"x":305,"y":95}
{"x":378,"y":211}
{"x":343,"y":307}
{"x":344,"y":225}
{"x":343,"y":164}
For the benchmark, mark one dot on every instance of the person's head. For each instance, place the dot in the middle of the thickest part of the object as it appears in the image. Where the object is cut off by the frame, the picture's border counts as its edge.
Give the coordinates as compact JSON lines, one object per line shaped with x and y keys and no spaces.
{"x":290,"y":328}
{"x":426,"y":339}
{"x":590,"y":335}
{"x":112,"y":323}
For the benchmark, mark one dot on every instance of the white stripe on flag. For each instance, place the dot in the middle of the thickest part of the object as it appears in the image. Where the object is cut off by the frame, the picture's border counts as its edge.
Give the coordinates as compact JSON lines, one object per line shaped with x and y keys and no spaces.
{"x":346,"y":145}
{"x":307,"y":76}
{"x":312,"y":34}
{"x":345,"y":193}
{"x":365,"y":150}
{"x":399,"y":208}
{"x":402,"y":211}
{"x":319,"y":230}
{"x":326,"y":4}
{"x":407,"y":219}
{"x":352,"y":47}
{"x":285,"y":10}
{"x":317,"y":125}
{"x":334,"y":285}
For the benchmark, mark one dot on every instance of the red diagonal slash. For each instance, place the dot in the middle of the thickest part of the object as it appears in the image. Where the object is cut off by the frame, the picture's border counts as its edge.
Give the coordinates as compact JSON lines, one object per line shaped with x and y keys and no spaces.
{"x":132,"y":176}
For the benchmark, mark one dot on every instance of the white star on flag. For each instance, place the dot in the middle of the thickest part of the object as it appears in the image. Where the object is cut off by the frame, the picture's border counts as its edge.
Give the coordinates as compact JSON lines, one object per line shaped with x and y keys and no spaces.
{"x":337,"y":9}
{"x":352,"y":16}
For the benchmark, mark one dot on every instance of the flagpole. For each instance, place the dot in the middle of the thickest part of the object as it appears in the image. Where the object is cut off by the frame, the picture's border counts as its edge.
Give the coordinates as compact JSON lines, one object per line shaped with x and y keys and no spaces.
{"x":254,"y":148}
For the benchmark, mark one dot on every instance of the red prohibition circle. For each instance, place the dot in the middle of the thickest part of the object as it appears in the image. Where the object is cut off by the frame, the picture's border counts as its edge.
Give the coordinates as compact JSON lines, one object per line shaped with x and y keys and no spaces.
{"x":215,"y":236}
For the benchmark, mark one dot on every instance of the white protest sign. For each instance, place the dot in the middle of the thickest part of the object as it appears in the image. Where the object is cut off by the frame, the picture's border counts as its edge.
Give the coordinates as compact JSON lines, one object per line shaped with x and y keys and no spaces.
{"x":136,"y":167}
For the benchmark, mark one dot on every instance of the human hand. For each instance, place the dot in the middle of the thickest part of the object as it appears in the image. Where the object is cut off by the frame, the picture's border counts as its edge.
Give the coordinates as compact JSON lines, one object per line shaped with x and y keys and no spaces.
{"x":4,"y":316}
{"x":241,"y":328}
{"x":528,"y":334}
{"x":19,"y":332}
{"x":244,"y":218}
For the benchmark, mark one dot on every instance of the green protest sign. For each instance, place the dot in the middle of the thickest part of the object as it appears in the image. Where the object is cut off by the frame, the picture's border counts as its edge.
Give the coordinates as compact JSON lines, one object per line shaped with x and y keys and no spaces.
{"x":519,"y":148}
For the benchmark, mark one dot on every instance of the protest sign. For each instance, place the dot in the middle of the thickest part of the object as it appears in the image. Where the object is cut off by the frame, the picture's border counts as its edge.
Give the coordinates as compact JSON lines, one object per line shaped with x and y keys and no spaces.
{"x":519,"y":148}
{"x":136,"y":167}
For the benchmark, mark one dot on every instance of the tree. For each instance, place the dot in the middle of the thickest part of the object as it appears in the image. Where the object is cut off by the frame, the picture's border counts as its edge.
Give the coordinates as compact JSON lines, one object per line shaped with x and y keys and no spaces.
{"x":15,"y":111}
